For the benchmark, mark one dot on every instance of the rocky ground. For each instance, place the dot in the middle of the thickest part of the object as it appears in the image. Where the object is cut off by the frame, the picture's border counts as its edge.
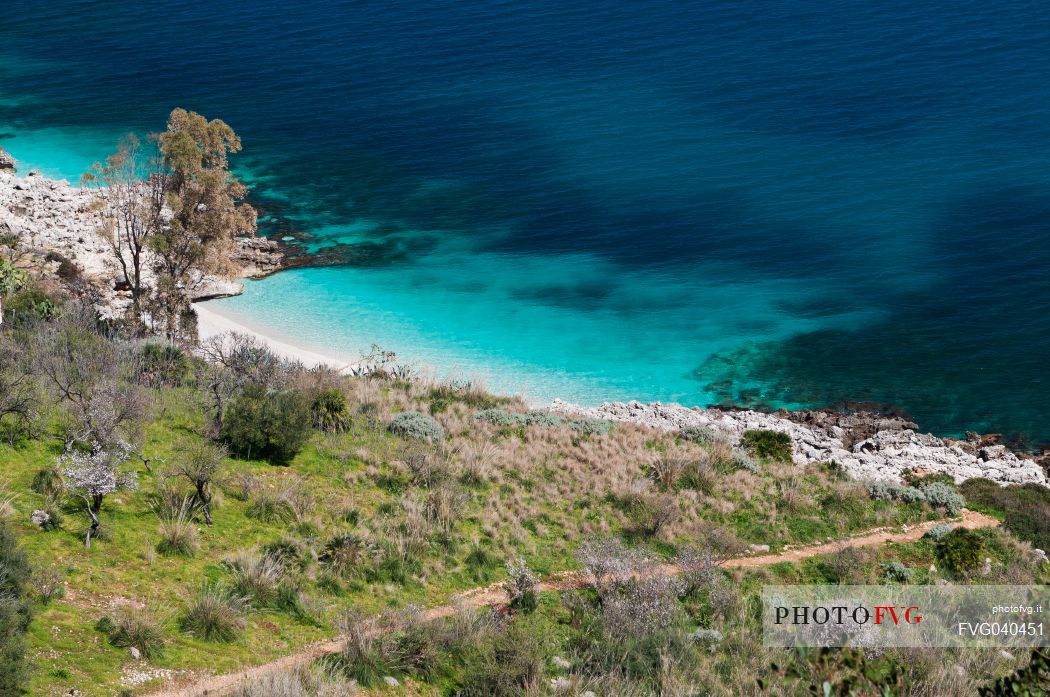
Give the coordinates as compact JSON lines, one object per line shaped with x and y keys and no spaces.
{"x":866,"y":445}
{"x":54,"y":221}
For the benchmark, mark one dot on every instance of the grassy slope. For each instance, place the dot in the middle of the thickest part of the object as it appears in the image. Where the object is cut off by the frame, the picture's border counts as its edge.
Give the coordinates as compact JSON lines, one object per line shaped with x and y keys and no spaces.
{"x":533,"y":492}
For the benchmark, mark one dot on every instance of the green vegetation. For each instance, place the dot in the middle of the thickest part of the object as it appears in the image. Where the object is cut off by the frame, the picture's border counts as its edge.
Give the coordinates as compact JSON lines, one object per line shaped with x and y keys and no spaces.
{"x":14,"y":613}
{"x":770,"y":445}
{"x":1025,"y":508}
{"x":205,"y":557}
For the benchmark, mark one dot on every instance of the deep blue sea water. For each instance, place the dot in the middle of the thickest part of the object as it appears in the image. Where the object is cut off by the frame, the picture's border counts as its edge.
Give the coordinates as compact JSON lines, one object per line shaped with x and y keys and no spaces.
{"x":775,"y":203}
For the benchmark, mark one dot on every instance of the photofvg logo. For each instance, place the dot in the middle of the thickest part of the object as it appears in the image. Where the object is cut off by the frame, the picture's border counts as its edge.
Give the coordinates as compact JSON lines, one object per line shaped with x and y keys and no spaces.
{"x":916,"y":616}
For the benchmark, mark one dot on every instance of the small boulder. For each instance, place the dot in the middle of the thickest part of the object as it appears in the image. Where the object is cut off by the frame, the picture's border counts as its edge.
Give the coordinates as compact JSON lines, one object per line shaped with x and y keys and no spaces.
{"x":40,"y":518}
{"x":135,"y":653}
{"x":6,"y":161}
{"x":758,"y":549}
{"x":390,"y":680}
{"x":560,"y":662}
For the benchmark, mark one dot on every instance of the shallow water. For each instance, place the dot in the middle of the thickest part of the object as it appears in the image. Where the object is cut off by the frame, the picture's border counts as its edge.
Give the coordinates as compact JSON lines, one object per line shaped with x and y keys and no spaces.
{"x":764,"y":203}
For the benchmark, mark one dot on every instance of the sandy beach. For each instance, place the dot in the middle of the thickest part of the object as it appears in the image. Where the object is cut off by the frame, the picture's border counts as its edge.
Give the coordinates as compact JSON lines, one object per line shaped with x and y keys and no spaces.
{"x":212,"y":321}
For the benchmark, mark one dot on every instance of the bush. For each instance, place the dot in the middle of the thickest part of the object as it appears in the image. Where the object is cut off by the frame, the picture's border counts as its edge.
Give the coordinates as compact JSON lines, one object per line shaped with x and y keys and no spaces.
{"x":897,"y":572}
{"x":345,"y":553}
{"x":14,"y":613}
{"x":505,"y":666}
{"x":272,"y":426}
{"x":591,"y":427}
{"x":330,"y":411}
{"x":521,"y":586}
{"x":164,"y":365}
{"x":133,"y":628}
{"x":959,"y":551}
{"x":500,"y":417}
{"x":701,"y":435}
{"x":412,"y":424}
{"x":944,"y":495}
{"x":938,"y":531}
{"x":48,"y":481}
{"x":301,"y":681}
{"x":538,"y":417}
{"x":1026,"y":507}
{"x":214,"y":614}
{"x":178,"y":535}
{"x":742,"y":460}
{"x":772,"y":445}
{"x":268,"y":507}
{"x":256,"y":576}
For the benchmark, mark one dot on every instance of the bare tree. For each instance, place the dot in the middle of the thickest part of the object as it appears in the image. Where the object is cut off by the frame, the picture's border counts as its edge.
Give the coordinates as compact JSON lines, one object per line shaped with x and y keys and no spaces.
{"x":92,"y":476}
{"x":92,"y":376}
{"x":231,"y":361}
{"x":131,"y":196}
{"x":200,"y":464}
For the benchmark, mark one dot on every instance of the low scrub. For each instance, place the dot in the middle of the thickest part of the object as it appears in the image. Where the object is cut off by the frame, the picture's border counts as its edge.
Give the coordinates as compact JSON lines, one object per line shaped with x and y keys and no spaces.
{"x":216,"y":614}
{"x":133,"y":628}
{"x":771,"y":445}
{"x":413,"y":424}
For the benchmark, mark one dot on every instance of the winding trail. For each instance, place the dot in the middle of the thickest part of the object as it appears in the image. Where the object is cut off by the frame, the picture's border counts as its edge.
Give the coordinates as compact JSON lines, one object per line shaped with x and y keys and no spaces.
{"x":220,"y":685}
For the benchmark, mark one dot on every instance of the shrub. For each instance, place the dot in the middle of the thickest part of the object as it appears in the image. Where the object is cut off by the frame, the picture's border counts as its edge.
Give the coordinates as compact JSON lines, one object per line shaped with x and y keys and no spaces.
{"x":345,"y":553}
{"x":938,"y":531}
{"x":897,"y":572}
{"x":330,"y":411}
{"x":1030,"y":523}
{"x":772,"y":445}
{"x":289,"y":552}
{"x":591,"y":427}
{"x":301,"y":681}
{"x":412,"y":424}
{"x":742,"y":460}
{"x":1026,"y":507}
{"x":48,"y":481}
{"x":133,"y":628}
{"x":14,"y":613}
{"x":273,"y":426}
{"x":268,"y":507}
{"x":214,"y":614}
{"x":178,"y":534}
{"x":944,"y":495}
{"x":256,"y":576}
{"x":538,"y":417}
{"x":706,"y":637}
{"x":701,"y":435}
{"x":521,"y":586}
{"x":959,"y":551}
{"x":48,"y":584}
{"x":164,"y":365}
{"x":500,"y":417}
{"x":505,"y":666}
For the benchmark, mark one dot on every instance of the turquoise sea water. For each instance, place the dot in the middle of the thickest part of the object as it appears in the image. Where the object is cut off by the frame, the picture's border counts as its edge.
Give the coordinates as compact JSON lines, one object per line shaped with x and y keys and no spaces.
{"x":757,"y":203}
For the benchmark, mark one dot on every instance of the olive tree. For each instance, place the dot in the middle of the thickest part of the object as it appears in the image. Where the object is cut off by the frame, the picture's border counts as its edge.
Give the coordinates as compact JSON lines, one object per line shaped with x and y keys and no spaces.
{"x":200,"y":464}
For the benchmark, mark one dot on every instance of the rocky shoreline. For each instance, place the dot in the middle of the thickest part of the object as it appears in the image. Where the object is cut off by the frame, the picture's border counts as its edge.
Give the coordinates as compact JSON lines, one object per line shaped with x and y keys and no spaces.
{"x":57,"y":230}
{"x":866,"y":445}
{"x":56,"y":226}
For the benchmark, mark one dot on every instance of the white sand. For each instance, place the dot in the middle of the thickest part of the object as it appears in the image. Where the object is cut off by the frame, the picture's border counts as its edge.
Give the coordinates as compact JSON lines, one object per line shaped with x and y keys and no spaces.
{"x":212,"y":321}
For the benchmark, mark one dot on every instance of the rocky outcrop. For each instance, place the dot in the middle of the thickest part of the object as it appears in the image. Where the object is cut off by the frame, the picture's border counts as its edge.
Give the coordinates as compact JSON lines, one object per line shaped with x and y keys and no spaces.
{"x":7,"y":162}
{"x":57,"y":222}
{"x":866,"y":446}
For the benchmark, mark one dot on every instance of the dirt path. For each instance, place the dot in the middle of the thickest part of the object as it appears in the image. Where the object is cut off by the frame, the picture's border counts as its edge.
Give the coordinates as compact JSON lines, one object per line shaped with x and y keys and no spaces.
{"x":218,"y":685}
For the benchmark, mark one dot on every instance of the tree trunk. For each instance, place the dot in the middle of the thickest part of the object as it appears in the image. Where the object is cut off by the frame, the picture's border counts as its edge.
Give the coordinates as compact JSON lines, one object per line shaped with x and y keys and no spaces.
{"x":205,"y":501}
{"x":93,"y":510}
